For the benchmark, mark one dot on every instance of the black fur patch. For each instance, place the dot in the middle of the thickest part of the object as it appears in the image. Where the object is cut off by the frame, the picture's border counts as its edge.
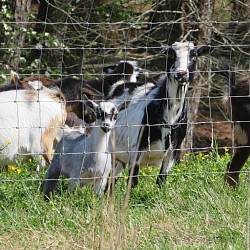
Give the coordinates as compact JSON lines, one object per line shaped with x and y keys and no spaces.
{"x":71,"y":88}
{"x":130,"y":86}
{"x":153,"y":115}
{"x":153,"y":121}
{"x":8,"y":87}
{"x":124,"y":71}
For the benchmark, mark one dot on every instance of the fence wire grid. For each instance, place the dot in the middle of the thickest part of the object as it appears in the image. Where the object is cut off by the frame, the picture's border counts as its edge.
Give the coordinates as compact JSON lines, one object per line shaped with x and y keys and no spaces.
{"x":55,"y":53}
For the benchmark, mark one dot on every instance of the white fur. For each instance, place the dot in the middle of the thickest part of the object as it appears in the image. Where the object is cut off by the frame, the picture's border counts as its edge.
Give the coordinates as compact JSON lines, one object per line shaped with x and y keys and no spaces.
{"x":183,"y":59}
{"x":24,"y":117}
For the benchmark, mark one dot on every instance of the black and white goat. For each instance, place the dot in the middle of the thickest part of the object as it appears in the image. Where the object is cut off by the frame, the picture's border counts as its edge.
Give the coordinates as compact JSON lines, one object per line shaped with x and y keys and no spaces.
{"x":237,"y":103}
{"x":84,"y":159}
{"x":155,"y":122}
{"x":125,"y":71}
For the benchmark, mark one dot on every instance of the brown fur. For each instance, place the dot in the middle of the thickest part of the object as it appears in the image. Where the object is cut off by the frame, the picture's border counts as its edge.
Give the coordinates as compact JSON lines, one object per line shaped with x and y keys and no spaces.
{"x":238,"y":108}
{"x":46,"y":141}
{"x":236,"y":101}
{"x":73,"y":121}
{"x":32,"y":95}
{"x":45,"y":81}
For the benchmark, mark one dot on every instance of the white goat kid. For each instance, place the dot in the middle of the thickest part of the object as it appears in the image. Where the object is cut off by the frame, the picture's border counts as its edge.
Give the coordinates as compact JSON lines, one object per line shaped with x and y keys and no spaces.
{"x":155,"y":121}
{"x":29,"y":122}
{"x":84,"y":159}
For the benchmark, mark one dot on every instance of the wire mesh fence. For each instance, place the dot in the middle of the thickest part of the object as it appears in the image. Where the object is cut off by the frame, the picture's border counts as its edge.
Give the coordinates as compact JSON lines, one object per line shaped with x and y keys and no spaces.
{"x":147,"y":101}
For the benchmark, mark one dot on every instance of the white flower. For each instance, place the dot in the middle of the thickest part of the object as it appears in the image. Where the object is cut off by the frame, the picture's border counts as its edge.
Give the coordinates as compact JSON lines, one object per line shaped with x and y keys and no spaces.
{"x":22,"y":59}
{"x":56,"y":43}
{"x":39,"y":46}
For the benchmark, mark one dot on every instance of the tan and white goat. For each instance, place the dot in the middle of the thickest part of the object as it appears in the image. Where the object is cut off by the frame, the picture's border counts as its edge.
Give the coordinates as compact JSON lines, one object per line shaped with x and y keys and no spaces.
{"x":29,"y":122}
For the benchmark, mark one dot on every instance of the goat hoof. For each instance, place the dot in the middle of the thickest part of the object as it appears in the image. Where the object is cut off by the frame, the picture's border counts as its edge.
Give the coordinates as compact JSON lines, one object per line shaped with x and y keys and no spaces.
{"x":161,"y":180}
{"x":46,"y":197}
{"x":232,"y":179}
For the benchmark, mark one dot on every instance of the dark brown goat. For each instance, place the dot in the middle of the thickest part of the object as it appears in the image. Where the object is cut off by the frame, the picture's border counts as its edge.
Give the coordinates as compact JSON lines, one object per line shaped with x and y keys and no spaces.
{"x":71,"y":88}
{"x":237,"y":103}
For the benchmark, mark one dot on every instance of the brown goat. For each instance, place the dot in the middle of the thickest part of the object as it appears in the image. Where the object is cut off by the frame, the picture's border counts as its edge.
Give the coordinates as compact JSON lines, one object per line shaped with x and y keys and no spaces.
{"x":237,"y":103}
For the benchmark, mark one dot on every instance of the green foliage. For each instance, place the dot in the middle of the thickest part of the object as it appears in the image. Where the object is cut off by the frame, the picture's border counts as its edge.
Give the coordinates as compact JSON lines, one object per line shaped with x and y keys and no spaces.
{"x":29,"y":60}
{"x":40,"y":48}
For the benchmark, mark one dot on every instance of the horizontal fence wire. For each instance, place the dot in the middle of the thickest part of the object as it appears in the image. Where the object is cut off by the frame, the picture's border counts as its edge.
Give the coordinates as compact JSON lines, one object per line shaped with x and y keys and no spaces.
{"x":176,"y":124}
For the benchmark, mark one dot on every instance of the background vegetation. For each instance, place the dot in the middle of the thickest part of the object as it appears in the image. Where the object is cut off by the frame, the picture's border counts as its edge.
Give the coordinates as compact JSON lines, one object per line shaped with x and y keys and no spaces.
{"x":64,"y":37}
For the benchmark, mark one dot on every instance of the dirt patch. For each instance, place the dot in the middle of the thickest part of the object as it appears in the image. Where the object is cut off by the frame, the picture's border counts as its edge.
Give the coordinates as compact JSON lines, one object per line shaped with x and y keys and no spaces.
{"x":212,"y":128}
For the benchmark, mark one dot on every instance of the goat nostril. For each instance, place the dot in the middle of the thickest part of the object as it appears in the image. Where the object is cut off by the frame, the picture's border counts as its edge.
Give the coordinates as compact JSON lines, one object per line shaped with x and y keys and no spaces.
{"x":181,"y":73}
{"x":106,"y":125}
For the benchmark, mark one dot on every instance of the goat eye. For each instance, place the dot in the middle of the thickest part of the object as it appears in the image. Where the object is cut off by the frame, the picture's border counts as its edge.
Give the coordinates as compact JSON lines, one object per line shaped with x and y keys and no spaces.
{"x":98,"y":115}
{"x":193,"y":54}
{"x":170,"y":53}
{"x":115,"y":116}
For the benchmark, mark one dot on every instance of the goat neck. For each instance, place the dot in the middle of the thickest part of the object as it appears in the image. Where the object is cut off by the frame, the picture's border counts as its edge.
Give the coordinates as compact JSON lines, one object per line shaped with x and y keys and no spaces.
{"x":97,"y":137}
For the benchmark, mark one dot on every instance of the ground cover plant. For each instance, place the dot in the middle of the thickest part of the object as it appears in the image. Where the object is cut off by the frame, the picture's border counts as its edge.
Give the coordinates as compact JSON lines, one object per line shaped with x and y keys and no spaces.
{"x":193,"y":210}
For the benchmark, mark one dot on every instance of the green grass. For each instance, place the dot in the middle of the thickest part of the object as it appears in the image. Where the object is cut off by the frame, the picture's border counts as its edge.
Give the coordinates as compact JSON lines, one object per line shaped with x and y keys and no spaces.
{"x":193,"y":210}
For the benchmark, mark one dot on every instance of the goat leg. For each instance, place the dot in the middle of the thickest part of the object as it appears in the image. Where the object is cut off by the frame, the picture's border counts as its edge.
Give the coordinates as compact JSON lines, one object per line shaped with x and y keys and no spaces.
{"x":133,"y":173}
{"x":234,"y":166}
{"x":167,"y":164}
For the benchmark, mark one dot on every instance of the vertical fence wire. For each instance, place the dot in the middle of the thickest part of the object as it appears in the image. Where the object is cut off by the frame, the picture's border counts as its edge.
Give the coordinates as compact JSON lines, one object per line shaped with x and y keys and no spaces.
{"x":80,"y":40}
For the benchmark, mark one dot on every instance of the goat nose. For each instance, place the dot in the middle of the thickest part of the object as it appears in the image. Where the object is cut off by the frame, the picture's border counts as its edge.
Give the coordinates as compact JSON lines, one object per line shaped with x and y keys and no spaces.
{"x":106,"y":127}
{"x":106,"y":124}
{"x":181,"y":76}
{"x":181,"y":73}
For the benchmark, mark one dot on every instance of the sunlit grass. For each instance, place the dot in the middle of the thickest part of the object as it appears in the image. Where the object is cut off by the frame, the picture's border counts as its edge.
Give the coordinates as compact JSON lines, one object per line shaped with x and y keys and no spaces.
{"x":193,"y":209}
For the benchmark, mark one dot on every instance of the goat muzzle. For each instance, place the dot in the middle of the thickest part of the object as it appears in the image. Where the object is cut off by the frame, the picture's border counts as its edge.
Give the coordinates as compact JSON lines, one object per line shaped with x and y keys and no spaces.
{"x":181,"y":77}
{"x":106,"y":128}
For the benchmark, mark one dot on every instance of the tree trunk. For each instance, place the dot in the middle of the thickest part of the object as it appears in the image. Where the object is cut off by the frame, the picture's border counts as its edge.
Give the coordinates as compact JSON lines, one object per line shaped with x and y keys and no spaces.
{"x":240,"y":32}
{"x":23,"y":7}
{"x":163,"y":29}
{"x":201,"y":33}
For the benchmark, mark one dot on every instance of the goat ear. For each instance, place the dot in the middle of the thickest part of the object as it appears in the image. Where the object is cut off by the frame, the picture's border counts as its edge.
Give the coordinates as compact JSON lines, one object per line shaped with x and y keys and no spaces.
{"x":89,"y":110}
{"x":204,"y":50}
{"x":89,"y":90}
{"x":15,"y":79}
{"x":89,"y":115}
{"x":90,"y":104}
{"x":37,"y":85}
{"x":124,"y":105}
{"x":109,"y":69}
